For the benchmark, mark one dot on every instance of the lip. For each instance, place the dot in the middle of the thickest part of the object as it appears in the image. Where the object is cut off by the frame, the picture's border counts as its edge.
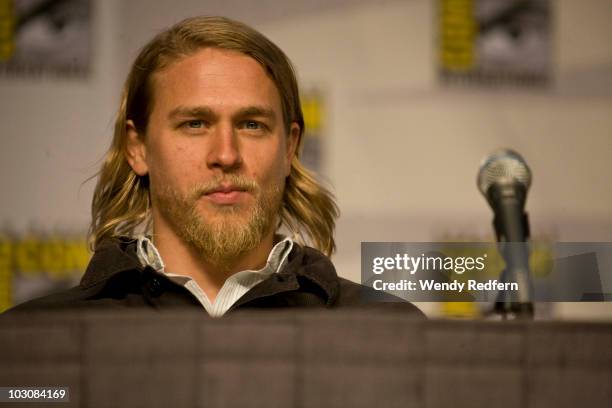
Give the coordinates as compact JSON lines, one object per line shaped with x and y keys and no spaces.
{"x":226,"y":195}
{"x":226,"y":188}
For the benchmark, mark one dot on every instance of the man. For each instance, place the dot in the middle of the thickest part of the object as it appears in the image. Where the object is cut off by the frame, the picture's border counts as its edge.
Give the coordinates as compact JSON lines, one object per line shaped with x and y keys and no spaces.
{"x":205,"y":159}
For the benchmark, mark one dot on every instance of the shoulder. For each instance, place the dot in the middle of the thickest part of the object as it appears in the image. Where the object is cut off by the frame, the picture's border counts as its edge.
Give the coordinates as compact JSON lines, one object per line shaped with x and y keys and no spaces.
{"x":65,"y":299}
{"x":356,"y":295}
{"x":112,"y":273}
{"x":341,"y":292}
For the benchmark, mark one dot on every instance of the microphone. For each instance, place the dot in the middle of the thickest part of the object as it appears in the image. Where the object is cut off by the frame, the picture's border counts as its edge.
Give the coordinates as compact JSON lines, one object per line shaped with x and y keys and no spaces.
{"x":504,"y":179}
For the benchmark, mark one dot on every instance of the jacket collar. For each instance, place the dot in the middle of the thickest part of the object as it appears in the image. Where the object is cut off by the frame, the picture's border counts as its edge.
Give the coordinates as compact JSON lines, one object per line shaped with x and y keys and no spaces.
{"x":111,"y":257}
{"x":119,"y":255}
{"x":305,"y":263}
{"x":317,"y":268}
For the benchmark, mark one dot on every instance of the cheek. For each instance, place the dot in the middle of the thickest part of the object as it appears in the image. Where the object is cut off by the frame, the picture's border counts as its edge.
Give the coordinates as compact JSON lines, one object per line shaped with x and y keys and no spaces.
{"x":269,"y":164}
{"x":174,"y":166}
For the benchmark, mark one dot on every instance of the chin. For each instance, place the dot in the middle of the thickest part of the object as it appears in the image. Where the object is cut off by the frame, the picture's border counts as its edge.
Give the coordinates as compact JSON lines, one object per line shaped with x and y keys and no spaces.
{"x":213,"y":211}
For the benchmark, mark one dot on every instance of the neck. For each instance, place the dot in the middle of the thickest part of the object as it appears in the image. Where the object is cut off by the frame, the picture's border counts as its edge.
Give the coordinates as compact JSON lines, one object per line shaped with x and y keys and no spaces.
{"x":182,"y":258}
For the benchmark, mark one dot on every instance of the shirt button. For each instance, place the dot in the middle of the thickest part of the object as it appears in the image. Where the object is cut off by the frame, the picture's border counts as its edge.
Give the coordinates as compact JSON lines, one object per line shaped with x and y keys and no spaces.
{"x":155,"y":287}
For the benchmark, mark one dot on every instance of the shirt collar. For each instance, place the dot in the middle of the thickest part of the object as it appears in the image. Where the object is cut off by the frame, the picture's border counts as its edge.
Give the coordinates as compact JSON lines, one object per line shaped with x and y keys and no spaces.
{"x":148,"y":255}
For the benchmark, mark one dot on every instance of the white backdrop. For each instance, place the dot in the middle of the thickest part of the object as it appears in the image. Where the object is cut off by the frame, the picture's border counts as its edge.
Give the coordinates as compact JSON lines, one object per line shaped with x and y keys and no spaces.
{"x":402,"y":152}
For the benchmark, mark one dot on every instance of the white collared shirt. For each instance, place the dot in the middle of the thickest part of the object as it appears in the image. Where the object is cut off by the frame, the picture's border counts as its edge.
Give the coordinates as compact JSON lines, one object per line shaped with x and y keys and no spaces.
{"x":234,"y":287}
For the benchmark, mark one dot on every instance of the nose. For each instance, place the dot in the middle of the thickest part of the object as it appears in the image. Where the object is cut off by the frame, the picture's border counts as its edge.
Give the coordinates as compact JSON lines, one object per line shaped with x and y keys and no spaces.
{"x":224,"y":152}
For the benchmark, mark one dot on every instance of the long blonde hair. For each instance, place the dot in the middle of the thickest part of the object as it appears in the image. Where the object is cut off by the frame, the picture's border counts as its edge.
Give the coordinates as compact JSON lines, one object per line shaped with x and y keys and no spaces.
{"x":121,"y":201}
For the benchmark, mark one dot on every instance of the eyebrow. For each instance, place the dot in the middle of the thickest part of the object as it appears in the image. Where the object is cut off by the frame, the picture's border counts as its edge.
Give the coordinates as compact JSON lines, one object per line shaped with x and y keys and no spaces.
{"x":194,"y":111}
{"x":205,"y":111}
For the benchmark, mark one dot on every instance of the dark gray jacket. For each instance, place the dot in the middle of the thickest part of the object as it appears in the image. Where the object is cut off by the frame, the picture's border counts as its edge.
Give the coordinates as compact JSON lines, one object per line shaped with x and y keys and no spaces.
{"x":115,"y":279}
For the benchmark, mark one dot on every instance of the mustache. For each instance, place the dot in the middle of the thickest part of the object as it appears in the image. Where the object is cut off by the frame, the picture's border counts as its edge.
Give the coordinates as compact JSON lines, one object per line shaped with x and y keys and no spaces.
{"x":236,"y":181}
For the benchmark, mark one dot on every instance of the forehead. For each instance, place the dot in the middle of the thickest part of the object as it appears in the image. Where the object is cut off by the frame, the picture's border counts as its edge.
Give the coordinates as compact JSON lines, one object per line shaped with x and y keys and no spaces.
{"x":219,"y":79}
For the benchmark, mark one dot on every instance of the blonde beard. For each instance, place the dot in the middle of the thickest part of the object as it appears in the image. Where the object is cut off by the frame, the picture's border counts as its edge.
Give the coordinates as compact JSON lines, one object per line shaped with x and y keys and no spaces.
{"x":232,"y":232}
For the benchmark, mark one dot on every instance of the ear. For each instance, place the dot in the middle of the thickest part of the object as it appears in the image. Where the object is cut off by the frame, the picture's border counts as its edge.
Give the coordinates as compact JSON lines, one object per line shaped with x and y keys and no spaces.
{"x":135,"y":150}
{"x":293,"y":140}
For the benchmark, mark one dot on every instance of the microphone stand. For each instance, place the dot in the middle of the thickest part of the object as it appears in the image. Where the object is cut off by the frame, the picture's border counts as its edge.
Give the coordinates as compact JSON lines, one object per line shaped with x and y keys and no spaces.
{"x":512,"y":237}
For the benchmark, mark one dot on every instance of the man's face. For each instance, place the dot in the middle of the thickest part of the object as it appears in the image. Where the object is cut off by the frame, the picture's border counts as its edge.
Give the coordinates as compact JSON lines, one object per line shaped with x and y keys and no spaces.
{"x":216,"y":152}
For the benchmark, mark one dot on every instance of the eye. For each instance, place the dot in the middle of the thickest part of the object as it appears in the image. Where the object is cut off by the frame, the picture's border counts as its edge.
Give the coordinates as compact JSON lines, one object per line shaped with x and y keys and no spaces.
{"x":252,"y":125}
{"x":195,"y":124}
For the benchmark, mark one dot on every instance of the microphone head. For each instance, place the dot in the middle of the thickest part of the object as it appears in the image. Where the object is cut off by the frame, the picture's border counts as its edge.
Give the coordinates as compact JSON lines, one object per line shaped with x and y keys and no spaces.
{"x":503,"y":166}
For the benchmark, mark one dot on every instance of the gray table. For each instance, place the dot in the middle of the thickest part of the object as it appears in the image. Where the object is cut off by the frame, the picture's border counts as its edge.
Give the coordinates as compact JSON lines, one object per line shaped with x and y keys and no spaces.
{"x":306,"y":359}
